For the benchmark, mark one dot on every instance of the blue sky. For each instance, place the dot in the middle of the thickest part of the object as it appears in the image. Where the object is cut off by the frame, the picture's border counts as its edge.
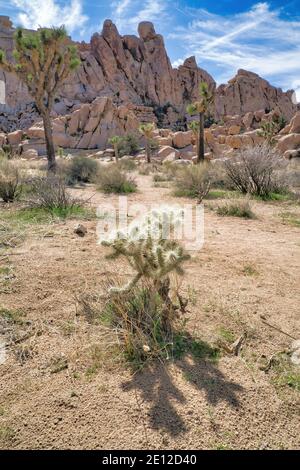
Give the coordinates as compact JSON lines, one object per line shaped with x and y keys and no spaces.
{"x":224,"y":35}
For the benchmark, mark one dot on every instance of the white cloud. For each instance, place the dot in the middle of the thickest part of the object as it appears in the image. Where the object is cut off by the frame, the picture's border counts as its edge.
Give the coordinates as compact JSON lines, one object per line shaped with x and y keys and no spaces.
{"x":33,"y":14}
{"x":260,"y":40}
{"x":121,"y":6}
{"x":127,"y":14}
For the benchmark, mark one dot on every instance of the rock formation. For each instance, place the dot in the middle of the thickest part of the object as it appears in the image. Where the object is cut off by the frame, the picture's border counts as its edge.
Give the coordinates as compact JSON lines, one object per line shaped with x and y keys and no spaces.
{"x":136,"y":71}
{"x":247,"y":92}
{"x":88,"y":127}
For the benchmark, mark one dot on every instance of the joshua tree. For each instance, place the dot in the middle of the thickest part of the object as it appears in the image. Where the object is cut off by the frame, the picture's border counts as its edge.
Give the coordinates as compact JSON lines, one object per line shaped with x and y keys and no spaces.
{"x":201,"y":107}
{"x":269,"y":129}
{"x":194,"y":127}
{"x":115,"y":141}
{"x":43,"y":60}
{"x":147,"y":131}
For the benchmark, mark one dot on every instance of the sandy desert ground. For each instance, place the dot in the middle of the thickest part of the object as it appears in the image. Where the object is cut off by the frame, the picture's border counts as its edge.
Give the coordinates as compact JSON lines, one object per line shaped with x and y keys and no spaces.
{"x":57,"y":390}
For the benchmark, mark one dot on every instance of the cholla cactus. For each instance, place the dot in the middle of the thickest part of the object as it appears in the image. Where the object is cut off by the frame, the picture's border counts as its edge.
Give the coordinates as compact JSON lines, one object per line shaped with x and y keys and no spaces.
{"x":148,"y":248}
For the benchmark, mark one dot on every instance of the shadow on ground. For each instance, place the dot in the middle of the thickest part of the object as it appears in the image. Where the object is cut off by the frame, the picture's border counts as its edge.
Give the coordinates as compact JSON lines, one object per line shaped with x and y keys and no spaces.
{"x":157,"y":387}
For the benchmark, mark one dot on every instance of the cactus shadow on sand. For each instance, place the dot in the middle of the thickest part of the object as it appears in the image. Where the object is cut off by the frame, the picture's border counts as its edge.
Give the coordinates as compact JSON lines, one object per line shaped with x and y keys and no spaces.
{"x":160,"y":388}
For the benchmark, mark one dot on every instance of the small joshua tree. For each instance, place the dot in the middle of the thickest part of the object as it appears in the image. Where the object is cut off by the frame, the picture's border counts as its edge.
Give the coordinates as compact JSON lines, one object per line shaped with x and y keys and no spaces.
{"x":147,"y":131}
{"x":43,"y":60}
{"x":269,"y":129}
{"x":201,"y":107}
{"x":116,"y":141}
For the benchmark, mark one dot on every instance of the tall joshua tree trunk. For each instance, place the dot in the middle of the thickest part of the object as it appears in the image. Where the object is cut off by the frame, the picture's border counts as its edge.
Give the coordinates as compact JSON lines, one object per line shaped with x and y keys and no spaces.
{"x":49,"y":142}
{"x":200,"y":108}
{"x":201,"y":146}
{"x":148,"y":151}
{"x":116,"y":149}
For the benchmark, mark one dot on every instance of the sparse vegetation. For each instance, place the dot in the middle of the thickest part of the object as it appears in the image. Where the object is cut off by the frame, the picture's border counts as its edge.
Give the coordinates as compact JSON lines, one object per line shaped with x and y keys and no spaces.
{"x":285,"y":373}
{"x":114,"y":180}
{"x":290,"y":218}
{"x":129,"y":145}
{"x":11,"y":316}
{"x":127,"y":165}
{"x":193,"y":182}
{"x":10,"y":181}
{"x":236,"y":208}
{"x":51,"y":193}
{"x":254,"y":171}
{"x":7,"y":152}
{"x":80,"y":170}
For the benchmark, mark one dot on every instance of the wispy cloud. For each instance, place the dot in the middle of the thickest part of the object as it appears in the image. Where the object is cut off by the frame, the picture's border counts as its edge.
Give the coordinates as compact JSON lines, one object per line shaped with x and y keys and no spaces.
{"x":33,"y":14}
{"x":260,"y":40}
{"x":127,"y":14}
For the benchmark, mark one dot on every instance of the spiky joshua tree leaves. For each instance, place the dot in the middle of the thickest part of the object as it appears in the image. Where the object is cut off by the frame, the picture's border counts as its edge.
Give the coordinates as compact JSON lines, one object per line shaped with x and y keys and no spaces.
{"x":269,"y":129}
{"x":147,"y":131}
{"x":115,"y":141}
{"x":201,"y":107}
{"x":43,"y":61}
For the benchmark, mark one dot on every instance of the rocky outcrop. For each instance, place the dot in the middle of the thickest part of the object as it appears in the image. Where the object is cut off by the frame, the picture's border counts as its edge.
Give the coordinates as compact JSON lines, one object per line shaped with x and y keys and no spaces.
{"x":247,"y":92}
{"x":88,"y":127}
{"x":137,"y":71}
{"x":288,"y":142}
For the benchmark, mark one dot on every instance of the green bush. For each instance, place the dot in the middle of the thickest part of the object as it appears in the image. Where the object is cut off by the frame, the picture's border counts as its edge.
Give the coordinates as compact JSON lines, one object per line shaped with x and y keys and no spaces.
{"x":129,"y":145}
{"x":238,"y":208}
{"x":80,"y":170}
{"x":193,"y":181}
{"x":10,"y":185}
{"x":113,"y":180}
{"x":50,"y":193}
{"x":7,"y":152}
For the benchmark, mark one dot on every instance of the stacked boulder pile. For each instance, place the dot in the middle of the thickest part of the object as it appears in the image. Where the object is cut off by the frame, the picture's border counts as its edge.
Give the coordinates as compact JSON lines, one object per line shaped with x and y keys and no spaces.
{"x":91,"y":125}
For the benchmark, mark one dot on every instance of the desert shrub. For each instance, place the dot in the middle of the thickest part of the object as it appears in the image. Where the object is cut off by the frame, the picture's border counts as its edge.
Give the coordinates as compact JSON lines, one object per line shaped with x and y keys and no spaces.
{"x":7,"y":152}
{"x":113,"y":180}
{"x":161,"y":177}
{"x":80,"y":170}
{"x":255,"y":171}
{"x":129,"y":145}
{"x":238,"y":208}
{"x":127,"y":165}
{"x":193,"y":181}
{"x":218,"y":176}
{"x":10,"y":236}
{"x":147,"y":169}
{"x":143,"y":311}
{"x":50,"y":193}
{"x":10,"y":184}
